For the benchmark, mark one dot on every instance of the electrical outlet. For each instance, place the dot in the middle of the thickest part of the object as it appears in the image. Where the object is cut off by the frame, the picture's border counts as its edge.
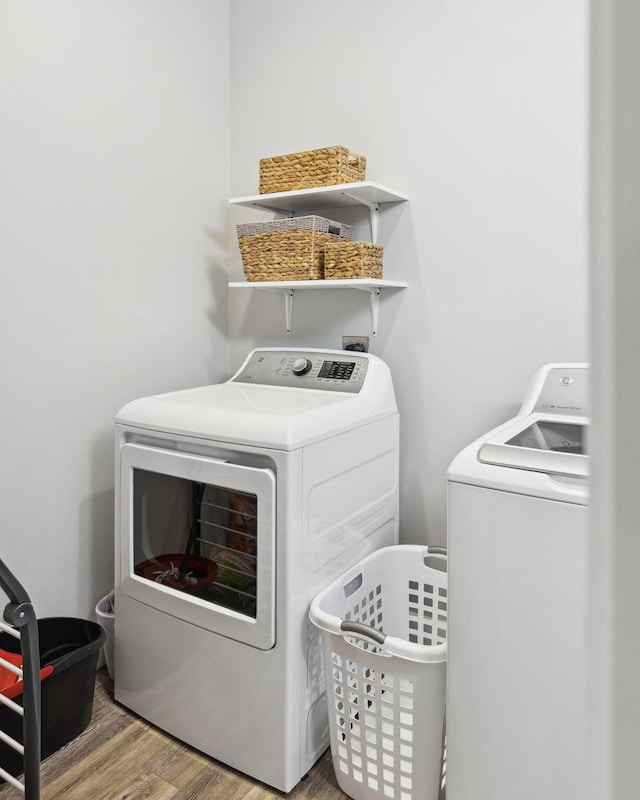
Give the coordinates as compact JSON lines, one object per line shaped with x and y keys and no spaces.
{"x":359,"y":344}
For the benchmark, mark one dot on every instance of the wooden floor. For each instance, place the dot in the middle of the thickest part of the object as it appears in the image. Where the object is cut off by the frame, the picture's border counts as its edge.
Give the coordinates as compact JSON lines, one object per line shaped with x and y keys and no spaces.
{"x":121,"y":757}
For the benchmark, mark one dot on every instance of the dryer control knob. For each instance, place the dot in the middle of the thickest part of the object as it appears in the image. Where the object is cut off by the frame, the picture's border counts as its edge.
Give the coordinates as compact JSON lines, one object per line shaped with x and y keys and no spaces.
{"x":301,"y":366}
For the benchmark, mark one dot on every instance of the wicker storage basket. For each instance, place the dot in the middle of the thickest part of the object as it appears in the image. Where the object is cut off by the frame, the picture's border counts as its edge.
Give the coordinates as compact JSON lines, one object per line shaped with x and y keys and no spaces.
{"x":352,"y":260}
{"x":327,"y":166}
{"x":288,"y":250}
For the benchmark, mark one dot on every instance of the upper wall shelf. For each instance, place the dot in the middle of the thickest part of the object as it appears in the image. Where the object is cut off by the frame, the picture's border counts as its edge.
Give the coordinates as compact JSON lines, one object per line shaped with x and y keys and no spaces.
{"x":344,"y":194}
{"x":365,"y":193}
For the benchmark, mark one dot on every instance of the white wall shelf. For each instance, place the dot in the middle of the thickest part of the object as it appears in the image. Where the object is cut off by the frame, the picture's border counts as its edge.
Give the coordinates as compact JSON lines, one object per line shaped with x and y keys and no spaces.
{"x":287,"y":289}
{"x":365,"y":193}
{"x":369,"y":194}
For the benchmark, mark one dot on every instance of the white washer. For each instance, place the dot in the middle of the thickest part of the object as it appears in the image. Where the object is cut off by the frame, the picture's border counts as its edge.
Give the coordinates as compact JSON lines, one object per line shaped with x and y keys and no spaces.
{"x":518,"y":637}
{"x":265,"y":488}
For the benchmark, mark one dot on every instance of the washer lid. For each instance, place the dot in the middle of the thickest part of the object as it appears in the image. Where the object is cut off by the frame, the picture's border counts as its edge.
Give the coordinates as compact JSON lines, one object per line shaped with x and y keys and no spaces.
{"x":284,"y":416}
{"x":554,"y":443}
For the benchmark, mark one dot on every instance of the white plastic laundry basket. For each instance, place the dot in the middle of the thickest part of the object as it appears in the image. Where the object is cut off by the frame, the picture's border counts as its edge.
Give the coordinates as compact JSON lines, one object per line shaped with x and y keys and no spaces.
{"x":384,"y":628}
{"x":105,"y":617}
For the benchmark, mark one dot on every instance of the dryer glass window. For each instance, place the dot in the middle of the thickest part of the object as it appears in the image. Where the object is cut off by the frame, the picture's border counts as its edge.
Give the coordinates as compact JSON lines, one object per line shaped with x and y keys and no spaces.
{"x":196,"y":538}
{"x":559,"y":437}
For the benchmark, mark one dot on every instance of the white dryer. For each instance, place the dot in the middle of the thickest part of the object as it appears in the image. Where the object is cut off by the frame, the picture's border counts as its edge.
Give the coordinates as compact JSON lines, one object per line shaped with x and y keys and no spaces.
{"x":518,"y":638}
{"x":236,"y":503}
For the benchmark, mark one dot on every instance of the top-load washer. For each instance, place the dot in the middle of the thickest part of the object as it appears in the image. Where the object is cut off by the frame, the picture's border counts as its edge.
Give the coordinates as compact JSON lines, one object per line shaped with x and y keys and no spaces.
{"x":517,"y":636}
{"x":236,"y":503}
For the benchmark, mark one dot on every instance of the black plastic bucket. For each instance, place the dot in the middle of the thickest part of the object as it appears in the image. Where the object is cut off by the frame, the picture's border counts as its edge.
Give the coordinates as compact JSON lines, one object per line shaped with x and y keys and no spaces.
{"x":72,"y":647}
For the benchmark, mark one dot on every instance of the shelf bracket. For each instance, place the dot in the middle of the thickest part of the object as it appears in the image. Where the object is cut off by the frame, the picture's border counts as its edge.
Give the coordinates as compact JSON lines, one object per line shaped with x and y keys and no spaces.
{"x":288,"y":307}
{"x":374,"y":304}
{"x":374,"y":213}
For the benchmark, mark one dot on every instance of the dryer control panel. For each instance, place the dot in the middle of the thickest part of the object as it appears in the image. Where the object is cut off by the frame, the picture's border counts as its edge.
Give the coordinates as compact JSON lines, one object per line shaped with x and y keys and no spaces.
{"x":334,"y":371}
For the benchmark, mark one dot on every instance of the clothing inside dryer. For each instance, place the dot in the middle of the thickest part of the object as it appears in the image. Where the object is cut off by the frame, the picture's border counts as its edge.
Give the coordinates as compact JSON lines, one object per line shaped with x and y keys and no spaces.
{"x":196,"y":538}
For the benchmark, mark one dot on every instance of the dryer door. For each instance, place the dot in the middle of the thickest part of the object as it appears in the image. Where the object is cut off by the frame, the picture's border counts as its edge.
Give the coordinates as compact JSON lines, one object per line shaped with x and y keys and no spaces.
{"x":198,"y":541}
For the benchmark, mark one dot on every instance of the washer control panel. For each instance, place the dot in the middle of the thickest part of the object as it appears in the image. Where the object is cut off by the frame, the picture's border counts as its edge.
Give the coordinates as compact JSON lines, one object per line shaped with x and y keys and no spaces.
{"x":311,"y":369}
{"x":564,"y":391}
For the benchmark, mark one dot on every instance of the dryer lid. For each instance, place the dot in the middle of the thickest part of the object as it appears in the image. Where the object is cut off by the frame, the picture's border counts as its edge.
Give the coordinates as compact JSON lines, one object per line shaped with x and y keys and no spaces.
{"x":266,"y":404}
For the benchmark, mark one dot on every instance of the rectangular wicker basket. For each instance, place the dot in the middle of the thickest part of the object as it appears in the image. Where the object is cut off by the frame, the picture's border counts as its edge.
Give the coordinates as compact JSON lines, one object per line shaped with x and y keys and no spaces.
{"x":327,"y":166}
{"x":352,"y":260}
{"x":288,"y":250}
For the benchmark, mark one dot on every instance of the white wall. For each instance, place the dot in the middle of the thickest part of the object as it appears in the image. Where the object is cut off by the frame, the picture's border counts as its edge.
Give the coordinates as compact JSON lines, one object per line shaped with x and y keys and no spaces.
{"x":115,"y":175}
{"x":113,"y":248}
{"x":478,"y":112}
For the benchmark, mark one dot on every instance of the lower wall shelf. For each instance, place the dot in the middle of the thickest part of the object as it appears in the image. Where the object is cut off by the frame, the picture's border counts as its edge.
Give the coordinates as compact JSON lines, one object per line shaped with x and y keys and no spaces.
{"x":372,"y":286}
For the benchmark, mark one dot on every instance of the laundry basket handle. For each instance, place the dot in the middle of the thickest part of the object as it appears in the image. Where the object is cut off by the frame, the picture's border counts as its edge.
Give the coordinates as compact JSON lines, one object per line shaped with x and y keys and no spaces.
{"x":364,"y":631}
